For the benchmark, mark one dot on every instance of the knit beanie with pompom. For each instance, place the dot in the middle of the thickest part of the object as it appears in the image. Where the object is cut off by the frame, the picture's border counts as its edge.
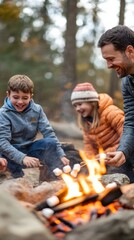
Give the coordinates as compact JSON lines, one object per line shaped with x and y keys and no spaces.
{"x":84,"y":92}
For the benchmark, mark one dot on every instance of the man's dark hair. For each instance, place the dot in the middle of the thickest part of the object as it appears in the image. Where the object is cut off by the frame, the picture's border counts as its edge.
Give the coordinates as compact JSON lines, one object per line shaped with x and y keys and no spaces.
{"x":120,"y":36}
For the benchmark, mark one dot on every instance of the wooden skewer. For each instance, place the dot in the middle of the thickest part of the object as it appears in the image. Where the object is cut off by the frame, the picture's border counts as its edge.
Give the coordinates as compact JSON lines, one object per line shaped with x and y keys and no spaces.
{"x":82,"y":164}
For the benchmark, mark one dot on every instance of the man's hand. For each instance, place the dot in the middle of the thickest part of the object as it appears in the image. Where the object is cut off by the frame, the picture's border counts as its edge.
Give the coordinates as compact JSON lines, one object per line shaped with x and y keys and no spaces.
{"x":115,"y":159}
{"x":3,"y":164}
{"x":31,"y":162}
{"x":65,"y":161}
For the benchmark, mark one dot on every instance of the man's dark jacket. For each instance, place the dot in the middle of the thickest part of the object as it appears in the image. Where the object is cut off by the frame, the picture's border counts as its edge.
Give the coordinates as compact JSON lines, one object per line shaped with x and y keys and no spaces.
{"x":127,"y":139}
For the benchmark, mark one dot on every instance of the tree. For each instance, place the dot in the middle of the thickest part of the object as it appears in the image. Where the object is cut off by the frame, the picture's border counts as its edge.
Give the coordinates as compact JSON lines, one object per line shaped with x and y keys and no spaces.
{"x":114,"y":88}
{"x":68,"y":79}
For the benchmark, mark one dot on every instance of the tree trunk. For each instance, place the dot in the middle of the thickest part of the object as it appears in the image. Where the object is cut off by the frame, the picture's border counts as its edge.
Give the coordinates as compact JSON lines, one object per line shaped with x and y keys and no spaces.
{"x":114,"y":81}
{"x":69,"y":66}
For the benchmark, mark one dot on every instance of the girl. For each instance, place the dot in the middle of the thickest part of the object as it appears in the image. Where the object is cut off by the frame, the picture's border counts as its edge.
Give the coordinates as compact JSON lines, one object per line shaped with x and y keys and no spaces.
{"x":100,"y":120}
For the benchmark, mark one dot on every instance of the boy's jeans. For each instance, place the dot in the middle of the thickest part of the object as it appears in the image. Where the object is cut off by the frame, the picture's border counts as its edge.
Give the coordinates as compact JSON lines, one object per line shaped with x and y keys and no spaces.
{"x":44,"y":149}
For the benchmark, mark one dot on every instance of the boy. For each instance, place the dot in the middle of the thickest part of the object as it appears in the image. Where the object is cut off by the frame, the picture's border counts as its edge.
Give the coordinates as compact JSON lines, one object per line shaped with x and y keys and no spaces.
{"x":20,"y":121}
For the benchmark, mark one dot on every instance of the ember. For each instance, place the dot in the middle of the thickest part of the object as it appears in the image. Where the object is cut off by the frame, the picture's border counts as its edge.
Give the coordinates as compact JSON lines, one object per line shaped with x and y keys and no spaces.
{"x":69,"y":219}
{"x":83,"y":199}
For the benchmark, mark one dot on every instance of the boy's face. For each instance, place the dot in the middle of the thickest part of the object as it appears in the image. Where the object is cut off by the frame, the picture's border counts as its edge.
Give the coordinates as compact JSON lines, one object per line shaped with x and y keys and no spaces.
{"x":19,"y":100}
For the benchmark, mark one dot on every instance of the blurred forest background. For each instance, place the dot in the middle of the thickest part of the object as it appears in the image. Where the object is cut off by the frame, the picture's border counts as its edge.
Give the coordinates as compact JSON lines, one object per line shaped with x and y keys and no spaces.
{"x":54,"y":42}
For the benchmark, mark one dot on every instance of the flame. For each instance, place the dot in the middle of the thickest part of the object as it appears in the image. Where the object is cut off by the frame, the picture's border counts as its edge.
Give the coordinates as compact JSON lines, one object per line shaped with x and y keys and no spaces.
{"x":83,"y":185}
{"x":73,"y":187}
{"x":86,"y":208}
{"x":102,"y":160}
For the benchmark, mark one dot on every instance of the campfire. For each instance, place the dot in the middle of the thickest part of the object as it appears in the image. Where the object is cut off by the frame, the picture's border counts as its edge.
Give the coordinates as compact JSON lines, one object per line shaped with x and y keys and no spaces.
{"x":83,"y":199}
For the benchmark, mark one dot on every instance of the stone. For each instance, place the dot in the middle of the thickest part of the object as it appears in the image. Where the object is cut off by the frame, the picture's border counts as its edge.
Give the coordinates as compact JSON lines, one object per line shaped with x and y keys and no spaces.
{"x":116,"y":226}
{"x":118,"y":178}
{"x":16,"y":222}
{"x":24,"y":191}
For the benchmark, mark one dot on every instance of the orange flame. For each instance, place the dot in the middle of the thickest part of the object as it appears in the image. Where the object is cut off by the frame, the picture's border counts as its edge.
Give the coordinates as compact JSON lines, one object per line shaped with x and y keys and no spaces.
{"x":73,"y":187}
{"x":83,"y":185}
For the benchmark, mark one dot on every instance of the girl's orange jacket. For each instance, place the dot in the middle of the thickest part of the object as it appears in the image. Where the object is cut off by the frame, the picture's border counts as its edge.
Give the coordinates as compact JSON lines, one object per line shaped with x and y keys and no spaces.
{"x":107,"y":134}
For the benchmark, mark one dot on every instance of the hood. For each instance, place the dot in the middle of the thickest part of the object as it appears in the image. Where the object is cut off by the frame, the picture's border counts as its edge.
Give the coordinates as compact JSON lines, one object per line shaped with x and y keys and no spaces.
{"x":104,"y":101}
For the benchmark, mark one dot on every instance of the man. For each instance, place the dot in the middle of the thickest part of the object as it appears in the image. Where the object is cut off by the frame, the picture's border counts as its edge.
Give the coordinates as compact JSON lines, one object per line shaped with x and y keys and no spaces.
{"x":117,"y":48}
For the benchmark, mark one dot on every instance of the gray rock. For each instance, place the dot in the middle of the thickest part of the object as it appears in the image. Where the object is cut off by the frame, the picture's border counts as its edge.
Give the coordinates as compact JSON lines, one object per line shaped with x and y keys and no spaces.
{"x":17,"y":223}
{"x":117,"y":226}
{"x":118,"y":178}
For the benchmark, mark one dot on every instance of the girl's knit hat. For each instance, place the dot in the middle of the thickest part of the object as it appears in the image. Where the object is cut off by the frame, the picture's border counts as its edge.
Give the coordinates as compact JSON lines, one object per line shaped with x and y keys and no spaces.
{"x":84,"y":92}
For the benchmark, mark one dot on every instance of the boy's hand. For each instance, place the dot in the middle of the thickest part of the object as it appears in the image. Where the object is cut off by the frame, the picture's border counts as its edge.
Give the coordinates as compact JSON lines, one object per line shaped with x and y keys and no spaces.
{"x":65,"y":161}
{"x":3,"y":164}
{"x":31,"y":162}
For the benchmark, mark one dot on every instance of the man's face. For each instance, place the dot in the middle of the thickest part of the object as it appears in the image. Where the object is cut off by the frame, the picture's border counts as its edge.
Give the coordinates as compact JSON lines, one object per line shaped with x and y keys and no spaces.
{"x":121,"y":62}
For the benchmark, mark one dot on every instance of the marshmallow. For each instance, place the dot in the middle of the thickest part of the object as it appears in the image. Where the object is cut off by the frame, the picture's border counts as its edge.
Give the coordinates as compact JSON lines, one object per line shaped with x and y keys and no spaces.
{"x":111,"y":185}
{"x":102,"y":155}
{"x":76,"y":167}
{"x":52,"y":201}
{"x":47,"y":212}
{"x":57,"y":172}
{"x":67,"y":169}
{"x":74,"y":173}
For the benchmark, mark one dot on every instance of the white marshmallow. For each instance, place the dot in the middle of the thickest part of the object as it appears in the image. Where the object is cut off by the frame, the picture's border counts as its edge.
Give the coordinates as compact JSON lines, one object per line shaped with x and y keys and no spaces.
{"x":111,"y":185}
{"x":47,"y":212}
{"x":67,"y":169}
{"x":102,"y":155}
{"x":74,"y":173}
{"x":76,"y":167}
{"x":52,"y":201}
{"x":57,"y":172}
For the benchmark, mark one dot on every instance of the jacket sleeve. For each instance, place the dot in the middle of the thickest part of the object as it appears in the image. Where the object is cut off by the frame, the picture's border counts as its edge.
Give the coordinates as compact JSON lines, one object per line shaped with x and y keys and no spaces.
{"x":47,"y":131}
{"x":127,"y":140}
{"x":6,"y":148}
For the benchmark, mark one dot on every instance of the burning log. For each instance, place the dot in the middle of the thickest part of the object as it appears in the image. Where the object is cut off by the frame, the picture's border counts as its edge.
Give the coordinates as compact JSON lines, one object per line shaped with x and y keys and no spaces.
{"x":51,"y":207}
{"x":47,"y":203}
{"x":109,"y":195}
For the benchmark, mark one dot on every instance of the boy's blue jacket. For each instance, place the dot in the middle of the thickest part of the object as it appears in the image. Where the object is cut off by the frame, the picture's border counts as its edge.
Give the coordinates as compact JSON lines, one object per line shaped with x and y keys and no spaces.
{"x":19,"y":129}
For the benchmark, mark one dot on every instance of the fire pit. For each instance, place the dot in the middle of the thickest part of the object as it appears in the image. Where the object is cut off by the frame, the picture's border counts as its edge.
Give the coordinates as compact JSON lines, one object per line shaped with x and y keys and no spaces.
{"x":82,"y":200}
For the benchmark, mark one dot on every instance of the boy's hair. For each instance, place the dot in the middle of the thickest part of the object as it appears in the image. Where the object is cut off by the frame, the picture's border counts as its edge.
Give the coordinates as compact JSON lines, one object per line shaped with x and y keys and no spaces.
{"x":20,"y":83}
{"x":120,"y":36}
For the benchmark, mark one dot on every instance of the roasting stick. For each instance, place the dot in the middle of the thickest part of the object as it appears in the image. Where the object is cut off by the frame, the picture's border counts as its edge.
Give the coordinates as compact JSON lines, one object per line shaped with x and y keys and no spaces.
{"x":82,"y":164}
{"x":76,"y":168}
{"x":103,"y":155}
